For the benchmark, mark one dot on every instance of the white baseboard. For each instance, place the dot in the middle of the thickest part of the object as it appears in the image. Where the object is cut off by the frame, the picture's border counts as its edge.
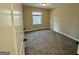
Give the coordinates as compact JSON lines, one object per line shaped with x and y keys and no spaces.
{"x":65,"y":35}
{"x":35,"y":29}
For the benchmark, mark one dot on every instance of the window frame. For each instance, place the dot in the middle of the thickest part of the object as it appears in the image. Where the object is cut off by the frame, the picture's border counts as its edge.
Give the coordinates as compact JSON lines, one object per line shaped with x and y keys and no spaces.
{"x":40,"y":19}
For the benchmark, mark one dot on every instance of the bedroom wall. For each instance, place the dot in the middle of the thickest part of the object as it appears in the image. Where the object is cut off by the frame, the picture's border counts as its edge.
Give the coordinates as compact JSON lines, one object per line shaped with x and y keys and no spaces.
{"x":27,"y":18}
{"x":65,"y":19}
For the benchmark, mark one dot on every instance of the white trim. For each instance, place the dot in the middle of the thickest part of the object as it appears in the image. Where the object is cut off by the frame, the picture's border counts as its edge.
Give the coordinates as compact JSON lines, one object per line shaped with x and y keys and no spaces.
{"x":35,"y":29}
{"x":78,"y":50}
{"x":22,"y":52}
{"x":66,"y":35}
{"x":22,"y":49}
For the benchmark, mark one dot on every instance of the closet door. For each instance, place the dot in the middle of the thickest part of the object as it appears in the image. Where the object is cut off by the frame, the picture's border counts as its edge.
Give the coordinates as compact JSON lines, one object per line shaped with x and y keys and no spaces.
{"x":6,"y":29}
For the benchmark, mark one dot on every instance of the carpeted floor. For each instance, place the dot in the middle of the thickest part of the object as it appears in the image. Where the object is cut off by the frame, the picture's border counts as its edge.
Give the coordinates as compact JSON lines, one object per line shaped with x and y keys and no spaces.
{"x":48,"y":42}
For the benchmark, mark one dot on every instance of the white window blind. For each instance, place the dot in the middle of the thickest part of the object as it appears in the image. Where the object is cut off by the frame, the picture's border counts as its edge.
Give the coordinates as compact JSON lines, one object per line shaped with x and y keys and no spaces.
{"x":37,"y":18}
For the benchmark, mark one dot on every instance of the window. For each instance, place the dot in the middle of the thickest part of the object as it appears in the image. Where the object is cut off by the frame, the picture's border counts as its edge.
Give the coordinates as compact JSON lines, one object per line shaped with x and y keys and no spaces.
{"x":37,"y":18}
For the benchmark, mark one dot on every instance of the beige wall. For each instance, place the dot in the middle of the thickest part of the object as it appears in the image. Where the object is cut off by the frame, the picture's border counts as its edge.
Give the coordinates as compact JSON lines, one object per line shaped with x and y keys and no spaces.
{"x":65,"y":19}
{"x":6,"y":29}
{"x":27,"y":17}
{"x":11,"y":29}
{"x":18,"y":27}
{"x":51,"y":18}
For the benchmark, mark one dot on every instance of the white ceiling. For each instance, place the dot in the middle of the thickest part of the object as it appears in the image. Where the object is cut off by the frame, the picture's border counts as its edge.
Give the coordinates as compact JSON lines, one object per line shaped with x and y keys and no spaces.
{"x":48,"y":6}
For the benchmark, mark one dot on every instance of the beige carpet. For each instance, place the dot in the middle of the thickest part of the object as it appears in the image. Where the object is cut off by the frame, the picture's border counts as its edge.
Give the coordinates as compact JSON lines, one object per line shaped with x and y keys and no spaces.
{"x":48,"y":42}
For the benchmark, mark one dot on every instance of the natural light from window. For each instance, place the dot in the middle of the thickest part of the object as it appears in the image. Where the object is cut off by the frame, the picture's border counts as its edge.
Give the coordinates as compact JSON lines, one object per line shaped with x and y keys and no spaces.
{"x":37,"y":18}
